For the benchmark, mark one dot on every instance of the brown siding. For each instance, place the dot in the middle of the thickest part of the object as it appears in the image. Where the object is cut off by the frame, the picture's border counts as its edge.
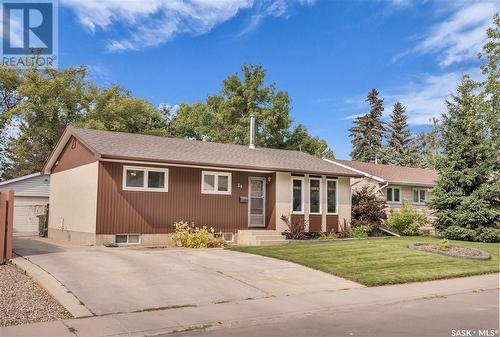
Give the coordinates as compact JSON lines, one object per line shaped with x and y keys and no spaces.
{"x":297,"y":218}
{"x":332,"y":223}
{"x":120,"y":211}
{"x":73,"y":155}
{"x":315,"y":222}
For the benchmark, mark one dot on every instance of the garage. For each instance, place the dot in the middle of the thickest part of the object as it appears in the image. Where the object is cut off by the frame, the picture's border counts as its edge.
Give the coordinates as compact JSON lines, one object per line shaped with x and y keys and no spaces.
{"x":31,"y":197}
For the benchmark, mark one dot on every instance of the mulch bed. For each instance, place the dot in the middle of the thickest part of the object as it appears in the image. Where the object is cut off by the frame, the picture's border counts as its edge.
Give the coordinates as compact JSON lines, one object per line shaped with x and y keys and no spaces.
{"x":452,"y":250}
{"x":23,"y":301}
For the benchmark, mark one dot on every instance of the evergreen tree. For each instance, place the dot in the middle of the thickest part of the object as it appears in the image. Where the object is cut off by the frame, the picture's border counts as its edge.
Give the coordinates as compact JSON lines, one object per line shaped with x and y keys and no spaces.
{"x":467,"y":192}
{"x":399,"y":149}
{"x":426,"y":146}
{"x":368,"y":130}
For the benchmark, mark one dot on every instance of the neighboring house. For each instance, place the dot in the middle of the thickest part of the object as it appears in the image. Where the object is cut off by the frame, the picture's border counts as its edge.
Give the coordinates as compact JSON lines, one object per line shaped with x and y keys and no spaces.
{"x":31,"y":196}
{"x":396,"y":183}
{"x":130,"y":188}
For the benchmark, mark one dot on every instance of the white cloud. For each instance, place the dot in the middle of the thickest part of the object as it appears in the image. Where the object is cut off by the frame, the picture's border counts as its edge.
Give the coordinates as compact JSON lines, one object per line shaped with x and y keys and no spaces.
{"x":460,"y":37}
{"x":151,"y":22}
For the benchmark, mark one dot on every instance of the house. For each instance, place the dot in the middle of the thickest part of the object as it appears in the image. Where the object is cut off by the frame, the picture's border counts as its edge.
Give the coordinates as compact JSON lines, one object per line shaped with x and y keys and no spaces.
{"x":396,"y":183}
{"x":131,"y":188}
{"x":31,"y":196}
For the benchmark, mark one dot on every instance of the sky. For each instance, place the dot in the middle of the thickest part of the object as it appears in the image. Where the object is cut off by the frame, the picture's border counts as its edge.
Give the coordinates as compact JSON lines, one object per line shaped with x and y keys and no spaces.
{"x":326,"y":54}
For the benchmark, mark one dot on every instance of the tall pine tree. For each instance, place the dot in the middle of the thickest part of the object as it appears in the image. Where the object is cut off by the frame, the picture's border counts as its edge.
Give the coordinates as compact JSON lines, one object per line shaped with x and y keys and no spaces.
{"x":368,"y":130}
{"x":467,"y":191}
{"x":399,"y":149}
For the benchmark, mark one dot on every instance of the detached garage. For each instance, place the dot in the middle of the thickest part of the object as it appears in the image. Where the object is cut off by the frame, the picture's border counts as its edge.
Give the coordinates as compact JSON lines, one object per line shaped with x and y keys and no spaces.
{"x":31,"y":196}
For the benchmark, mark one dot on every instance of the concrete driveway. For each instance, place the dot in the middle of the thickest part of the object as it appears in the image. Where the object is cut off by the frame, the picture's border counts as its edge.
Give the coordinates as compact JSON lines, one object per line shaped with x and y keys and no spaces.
{"x":113,"y":280}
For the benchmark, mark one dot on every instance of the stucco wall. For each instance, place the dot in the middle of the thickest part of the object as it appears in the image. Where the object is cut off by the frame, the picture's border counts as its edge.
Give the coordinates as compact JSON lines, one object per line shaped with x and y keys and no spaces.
{"x":344,"y":200}
{"x":283,"y":198}
{"x":73,"y":199}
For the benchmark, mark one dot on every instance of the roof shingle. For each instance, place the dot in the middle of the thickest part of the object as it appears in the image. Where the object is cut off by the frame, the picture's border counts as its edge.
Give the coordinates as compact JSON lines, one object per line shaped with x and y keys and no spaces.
{"x":131,"y":146}
{"x":394,"y":173}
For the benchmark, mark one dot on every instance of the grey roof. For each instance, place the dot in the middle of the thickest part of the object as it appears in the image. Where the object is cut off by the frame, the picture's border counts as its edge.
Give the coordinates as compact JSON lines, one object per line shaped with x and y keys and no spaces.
{"x":394,"y":173}
{"x":119,"y":145}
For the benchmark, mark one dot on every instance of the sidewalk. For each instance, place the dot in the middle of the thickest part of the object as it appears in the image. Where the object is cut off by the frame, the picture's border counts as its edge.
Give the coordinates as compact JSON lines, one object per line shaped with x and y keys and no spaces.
{"x":167,"y":320}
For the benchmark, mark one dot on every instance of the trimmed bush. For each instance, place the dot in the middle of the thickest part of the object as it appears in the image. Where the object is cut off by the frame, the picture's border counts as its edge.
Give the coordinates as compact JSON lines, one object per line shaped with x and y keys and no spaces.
{"x":406,"y":221}
{"x":359,"y":231}
{"x":459,"y":233}
{"x":488,"y":234}
{"x":189,"y":236}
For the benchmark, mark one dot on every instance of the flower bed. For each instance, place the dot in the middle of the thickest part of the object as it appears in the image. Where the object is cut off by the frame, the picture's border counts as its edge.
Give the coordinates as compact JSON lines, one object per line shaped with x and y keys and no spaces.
{"x":451,"y":250}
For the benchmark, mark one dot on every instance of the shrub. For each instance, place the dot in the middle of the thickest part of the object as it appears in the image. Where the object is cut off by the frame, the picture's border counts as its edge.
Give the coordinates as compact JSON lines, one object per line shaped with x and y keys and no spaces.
{"x":368,"y":209}
{"x":327,"y":236}
{"x":459,"y":233}
{"x":488,"y":234}
{"x":442,"y":245}
{"x":359,"y":232}
{"x":406,"y":221}
{"x":295,"y":227}
{"x":189,"y":236}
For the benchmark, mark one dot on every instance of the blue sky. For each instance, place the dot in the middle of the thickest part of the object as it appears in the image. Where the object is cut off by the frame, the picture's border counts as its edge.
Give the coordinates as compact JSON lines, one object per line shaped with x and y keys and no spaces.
{"x":326,"y":54}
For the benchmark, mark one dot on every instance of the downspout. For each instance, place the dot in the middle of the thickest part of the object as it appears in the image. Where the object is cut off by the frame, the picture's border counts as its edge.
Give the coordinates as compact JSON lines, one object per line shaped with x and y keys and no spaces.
{"x":382,"y":187}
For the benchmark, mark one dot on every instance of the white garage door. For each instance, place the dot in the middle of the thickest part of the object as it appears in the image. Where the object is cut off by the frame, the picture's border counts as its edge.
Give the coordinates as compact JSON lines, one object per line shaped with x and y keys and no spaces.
{"x":26,"y":210}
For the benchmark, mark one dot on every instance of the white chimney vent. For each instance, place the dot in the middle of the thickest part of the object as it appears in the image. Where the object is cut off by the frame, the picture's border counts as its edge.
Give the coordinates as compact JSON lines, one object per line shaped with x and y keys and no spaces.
{"x":252,"y":132}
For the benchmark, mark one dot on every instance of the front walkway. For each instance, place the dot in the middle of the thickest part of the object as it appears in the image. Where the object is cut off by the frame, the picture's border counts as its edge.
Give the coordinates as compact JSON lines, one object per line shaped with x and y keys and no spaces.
{"x":265,"y":309}
{"x":124,"y":280}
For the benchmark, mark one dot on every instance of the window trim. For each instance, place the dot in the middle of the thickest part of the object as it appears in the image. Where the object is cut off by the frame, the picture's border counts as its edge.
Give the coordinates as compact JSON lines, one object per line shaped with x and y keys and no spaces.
{"x":146,"y":171}
{"x":129,"y":243}
{"x":419,"y":202}
{"x":302,"y":192}
{"x":392,"y":195}
{"x":320,"y":196}
{"x":336,"y":196}
{"x":216,"y":182}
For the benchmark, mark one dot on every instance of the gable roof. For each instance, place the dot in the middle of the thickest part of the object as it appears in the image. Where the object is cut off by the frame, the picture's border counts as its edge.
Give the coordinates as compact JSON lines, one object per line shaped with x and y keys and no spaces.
{"x":392,"y":173}
{"x":32,"y":185}
{"x":139,"y":147}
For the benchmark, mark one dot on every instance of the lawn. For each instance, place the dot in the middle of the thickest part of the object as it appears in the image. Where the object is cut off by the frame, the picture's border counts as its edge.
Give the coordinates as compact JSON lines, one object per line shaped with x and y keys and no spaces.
{"x":382,"y":261}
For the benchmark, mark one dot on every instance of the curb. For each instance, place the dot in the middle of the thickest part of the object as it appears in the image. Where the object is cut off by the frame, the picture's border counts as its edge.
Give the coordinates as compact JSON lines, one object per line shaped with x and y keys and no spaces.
{"x":55,"y":288}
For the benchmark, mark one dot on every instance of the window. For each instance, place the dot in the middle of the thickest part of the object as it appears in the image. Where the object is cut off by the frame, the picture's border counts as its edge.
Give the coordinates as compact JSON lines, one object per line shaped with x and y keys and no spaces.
{"x":314,"y":195}
{"x":215,"y":182}
{"x":145,"y":179}
{"x":331,"y":196}
{"x":128,"y":238}
{"x":419,"y":196}
{"x":228,"y":237}
{"x":393,"y":194}
{"x":297,"y":195}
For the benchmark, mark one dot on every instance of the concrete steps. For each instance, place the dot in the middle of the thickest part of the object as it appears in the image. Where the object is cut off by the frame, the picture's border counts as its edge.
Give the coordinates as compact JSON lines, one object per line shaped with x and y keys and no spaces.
{"x":260,"y":237}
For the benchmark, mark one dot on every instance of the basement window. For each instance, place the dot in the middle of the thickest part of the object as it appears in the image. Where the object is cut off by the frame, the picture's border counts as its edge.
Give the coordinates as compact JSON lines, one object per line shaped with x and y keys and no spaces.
{"x":128,"y":238}
{"x":145,"y":179}
{"x":215,"y":182}
{"x":228,"y":237}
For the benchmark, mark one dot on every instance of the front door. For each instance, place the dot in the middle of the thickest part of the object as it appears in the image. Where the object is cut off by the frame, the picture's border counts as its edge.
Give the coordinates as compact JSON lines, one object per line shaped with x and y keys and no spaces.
{"x":257,"y":202}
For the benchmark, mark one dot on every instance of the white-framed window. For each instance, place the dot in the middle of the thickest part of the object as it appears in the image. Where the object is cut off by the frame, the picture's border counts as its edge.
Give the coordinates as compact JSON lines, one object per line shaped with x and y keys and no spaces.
{"x":228,"y":237}
{"x":393,"y":194}
{"x":419,"y":195}
{"x":145,"y":179}
{"x":315,"y":195}
{"x":215,"y":182}
{"x":331,"y":196}
{"x":128,"y":239}
{"x":297,"y":195}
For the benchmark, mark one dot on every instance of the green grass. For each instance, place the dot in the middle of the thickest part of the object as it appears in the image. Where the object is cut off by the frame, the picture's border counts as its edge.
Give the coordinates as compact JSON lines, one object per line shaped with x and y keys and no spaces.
{"x":382,"y":261}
